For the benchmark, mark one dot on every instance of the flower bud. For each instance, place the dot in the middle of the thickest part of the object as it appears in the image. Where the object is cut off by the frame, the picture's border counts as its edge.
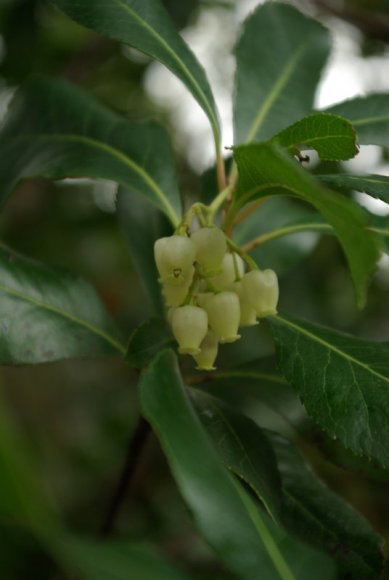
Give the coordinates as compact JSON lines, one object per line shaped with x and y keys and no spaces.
{"x":189,"y":326}
{"x":175,"y":295}
{"x":207,"y":356}
{"x":224,"y":315}
{"x":228,"y":274}
{"x":169,"y":315}
{"x":202,"y":298}
{"x":211,"y":247}
{"x":174,"y":257}
{"x":261,"y":288}
{"x":248,"y":315}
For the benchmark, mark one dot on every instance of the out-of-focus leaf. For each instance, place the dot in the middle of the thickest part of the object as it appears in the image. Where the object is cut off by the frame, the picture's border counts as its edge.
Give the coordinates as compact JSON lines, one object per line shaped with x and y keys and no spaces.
{"x":280,"y":56}
{"x":48,"y":314}
{"x":321,"y":518}
{"x":257,"y":379}
{"x":234,"y":436}
{"x":147,"y":341}
{"x":368,"y":115}
{"x":242,"y":537}
{"x":145,"y":25}
{"x":375,"y":185}
{"x":117,"y":560}
{"x":266,"y":170}
{"x":142,"y":225}
{"x":277,"y":215}
{"x":342,"y":380}
{"x":333,"y":137}
{"x":21,"y":497}
{"x":55,"y":130}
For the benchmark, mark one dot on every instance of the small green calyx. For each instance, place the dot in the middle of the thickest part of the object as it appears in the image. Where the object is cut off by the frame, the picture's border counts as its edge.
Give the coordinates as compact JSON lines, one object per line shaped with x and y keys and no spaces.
{"x":208,"y":291}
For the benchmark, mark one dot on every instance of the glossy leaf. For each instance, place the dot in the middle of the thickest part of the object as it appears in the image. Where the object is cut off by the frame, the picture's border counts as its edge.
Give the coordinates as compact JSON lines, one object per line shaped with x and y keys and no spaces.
{"x":342,"y":381}
{"x":247,"y":543}
{"x":299,"y":501}
{"x":375,"y":185}
{"x":265,"y":170}
{"x":55,"y":130}
{"x":333,"y":137}
{"x":142,"y":225}
{"x":234,"y":436}
{"x":369,"y":116}
{"x":147,"y":341}
{"x":48,"y":314}
{"x":145,"y":25}
{"x":280,"y":56}
{"x":321,"y":518}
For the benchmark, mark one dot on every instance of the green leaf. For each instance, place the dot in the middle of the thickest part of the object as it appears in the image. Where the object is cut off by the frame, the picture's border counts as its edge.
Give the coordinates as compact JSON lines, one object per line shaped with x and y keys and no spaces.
{"x":21,"y":496}
{"x":117,"y":560}
{"x":48,"y":314}
{"x":333,"y":137}
{"x":280,"y":56}
{"x":266,"y":170}
{"x":321,"y":518}
{"x":278,"y":214}
{"x":343,"y":382}
{"x":147,"y":341}
{"x":302,"y":503}
{"x":257,"y":379}
{"x":380,"y":224}
{"x":375,"y":185}
{"x":145,"y":25}
{"x":244,"y":539}
{"x":142,"y":225}
{"x":55,"y":130}
{"x":369,"y":116}
{"x":234,"y":436}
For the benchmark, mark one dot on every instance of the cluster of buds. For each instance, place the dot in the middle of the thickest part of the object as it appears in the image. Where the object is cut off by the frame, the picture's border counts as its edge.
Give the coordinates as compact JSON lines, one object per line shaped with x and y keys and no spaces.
{"x":209,"y":293}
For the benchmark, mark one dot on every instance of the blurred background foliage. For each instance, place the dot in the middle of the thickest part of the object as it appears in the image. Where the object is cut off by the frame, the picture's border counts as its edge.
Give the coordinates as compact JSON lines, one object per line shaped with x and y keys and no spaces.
{"x":78,"y":415}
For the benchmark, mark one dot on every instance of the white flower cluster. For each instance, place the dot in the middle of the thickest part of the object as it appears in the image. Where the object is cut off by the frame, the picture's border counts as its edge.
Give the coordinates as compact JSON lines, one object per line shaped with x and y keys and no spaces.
{"x":208,"y":292}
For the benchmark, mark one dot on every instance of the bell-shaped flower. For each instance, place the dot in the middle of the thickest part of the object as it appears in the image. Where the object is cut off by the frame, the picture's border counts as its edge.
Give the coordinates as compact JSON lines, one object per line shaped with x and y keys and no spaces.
{"x":261,"y":288}
{"x":232,"y":265}
{"x":189,"y":326}
{"x":174,"y":256}
{"x":175,"y":295}
{"x":248,"y":315}
{"x":208,"y":353}
{"x":211,"y":247}
{"x":224,"y":315}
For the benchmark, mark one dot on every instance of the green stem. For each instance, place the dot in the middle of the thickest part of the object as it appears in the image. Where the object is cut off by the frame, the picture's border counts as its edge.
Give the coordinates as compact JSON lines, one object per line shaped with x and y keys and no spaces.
{"x":249,"y":261}
{"x":298,"y":228}
{"x":285,"y":231}
{"x":220,"y":169}
{"x":218,"y":201}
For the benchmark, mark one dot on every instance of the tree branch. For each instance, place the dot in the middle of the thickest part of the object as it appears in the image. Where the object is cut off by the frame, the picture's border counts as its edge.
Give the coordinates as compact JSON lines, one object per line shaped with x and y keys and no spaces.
{"x":134,"y":450}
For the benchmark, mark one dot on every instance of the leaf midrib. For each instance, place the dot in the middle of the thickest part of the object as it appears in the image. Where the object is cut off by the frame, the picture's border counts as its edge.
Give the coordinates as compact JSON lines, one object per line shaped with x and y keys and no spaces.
{"x":213,"y":404}
{"x":64,"y":314}
{"x":182,"y":65}
{"x":367,"y":120}
{"x":121,"y":157}
{"x":274,"y":92}
{"x":350,"y":359}
{"x":250,"y":375}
